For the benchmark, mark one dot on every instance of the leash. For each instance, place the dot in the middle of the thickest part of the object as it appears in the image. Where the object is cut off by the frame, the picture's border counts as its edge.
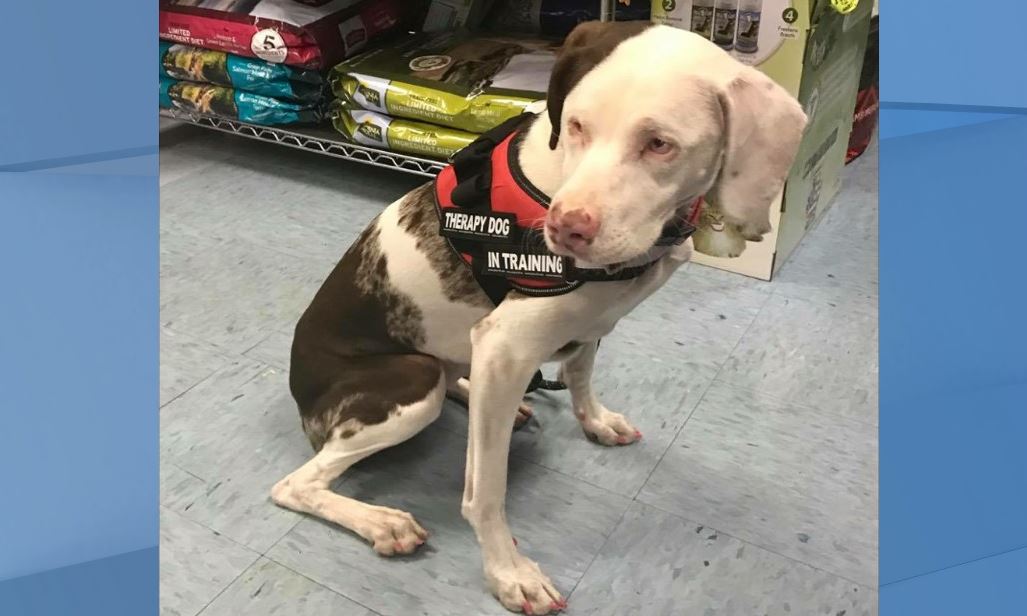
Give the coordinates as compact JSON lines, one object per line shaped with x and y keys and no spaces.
{"x":541,"y":382}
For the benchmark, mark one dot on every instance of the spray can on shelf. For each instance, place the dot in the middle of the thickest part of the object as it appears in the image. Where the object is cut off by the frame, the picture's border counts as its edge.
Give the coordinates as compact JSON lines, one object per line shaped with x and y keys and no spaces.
{"x":725,"y":16}
{"x":747,"y":37}
{"x":702,"y":17}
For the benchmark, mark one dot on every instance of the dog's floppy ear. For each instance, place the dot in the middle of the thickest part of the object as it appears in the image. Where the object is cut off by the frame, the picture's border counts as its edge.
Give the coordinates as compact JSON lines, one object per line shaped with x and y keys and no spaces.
{"x":764,"y":126}
{"x":586,"y":46}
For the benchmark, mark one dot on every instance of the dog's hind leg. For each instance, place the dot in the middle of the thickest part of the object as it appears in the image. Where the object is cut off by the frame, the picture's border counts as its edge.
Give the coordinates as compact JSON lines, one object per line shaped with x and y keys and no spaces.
{"x":376,"y":403}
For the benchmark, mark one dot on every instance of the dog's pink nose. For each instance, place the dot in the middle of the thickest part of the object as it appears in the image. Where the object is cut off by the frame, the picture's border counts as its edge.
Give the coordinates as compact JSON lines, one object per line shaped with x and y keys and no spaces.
{"x":574,"y":229}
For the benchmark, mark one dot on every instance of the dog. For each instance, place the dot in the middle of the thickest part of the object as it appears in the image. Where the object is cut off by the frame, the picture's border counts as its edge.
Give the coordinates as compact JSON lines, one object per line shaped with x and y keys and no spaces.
{"x":640,"y":121}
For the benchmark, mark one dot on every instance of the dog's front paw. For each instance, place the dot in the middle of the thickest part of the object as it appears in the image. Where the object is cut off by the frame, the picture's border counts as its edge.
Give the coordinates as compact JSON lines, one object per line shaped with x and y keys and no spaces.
{"x":608,"y":428}
{"x":522,"y":587}
{"x":391,"y":531}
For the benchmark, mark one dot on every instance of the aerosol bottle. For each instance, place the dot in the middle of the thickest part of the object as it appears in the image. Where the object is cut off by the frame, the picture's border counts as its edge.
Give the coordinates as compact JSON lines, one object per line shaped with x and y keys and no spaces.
{"x":747,"y":38}
{"x":702,"y":17}
{"x":725,"y":16}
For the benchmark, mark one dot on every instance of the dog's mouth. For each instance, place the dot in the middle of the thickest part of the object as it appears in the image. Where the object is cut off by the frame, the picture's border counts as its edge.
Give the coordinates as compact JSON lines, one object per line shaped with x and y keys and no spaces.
{"x":589,"y":261}
{"x":680,"y":217}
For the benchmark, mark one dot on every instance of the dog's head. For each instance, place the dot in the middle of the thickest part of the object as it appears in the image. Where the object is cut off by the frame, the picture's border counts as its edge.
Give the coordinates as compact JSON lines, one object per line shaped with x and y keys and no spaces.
{"x":649,"y":118}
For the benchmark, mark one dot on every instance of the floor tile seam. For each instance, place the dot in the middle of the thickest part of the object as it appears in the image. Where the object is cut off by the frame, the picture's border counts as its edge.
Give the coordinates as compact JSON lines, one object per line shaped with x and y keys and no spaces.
{"x":229,"y":585}
{"x":670,"y":442}
{"x":699,"y":402}
{"x":524,"y":458}
{"x":228,"y":357}
{"x":217,"y":533}
{"x":599,"y":551}
{"x":262,"y":367}
{"x":313,"y":581}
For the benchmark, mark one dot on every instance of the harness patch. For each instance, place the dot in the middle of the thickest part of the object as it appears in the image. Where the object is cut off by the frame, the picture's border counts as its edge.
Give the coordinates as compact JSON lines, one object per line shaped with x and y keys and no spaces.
{"x":510,"y":262}
{"x":496,"y":227}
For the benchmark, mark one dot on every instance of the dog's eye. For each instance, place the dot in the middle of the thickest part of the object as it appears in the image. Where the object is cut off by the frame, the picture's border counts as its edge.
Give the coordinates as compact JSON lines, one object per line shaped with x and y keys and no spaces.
{"x":659,"y":146}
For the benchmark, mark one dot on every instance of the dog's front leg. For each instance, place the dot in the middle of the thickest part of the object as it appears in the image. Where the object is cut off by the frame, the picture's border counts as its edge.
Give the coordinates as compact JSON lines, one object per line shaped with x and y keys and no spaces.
{"x":599,"y":423}
{"x":501,"y":369}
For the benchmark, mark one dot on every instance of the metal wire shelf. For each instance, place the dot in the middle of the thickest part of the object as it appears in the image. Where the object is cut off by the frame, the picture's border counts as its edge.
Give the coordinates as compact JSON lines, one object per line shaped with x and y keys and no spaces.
{"x":319,"y":140}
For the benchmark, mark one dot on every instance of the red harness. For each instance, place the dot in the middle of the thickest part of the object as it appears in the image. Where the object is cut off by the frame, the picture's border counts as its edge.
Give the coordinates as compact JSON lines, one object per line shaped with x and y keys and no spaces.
{"x":493,"y":217}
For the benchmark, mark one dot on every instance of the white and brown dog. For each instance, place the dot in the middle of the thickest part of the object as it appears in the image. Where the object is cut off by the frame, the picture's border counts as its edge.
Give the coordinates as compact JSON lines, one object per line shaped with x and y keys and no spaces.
{"x":642,"y":121}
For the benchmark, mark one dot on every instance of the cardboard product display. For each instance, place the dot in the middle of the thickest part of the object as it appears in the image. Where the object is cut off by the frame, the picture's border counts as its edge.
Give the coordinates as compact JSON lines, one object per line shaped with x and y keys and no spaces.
{"x":814,"y":49}
{"x":310,"y":34}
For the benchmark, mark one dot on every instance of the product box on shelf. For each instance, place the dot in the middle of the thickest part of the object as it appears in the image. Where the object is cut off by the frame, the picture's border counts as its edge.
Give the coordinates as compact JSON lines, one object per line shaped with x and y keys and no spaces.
{"x":814,"y":49}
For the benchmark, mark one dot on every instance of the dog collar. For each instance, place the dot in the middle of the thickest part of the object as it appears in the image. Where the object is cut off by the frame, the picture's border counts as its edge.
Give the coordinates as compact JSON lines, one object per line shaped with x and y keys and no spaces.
{"x":492,"y":217}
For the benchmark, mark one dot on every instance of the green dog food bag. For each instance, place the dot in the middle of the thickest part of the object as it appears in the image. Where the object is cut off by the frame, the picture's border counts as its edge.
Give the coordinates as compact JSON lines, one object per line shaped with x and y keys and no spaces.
{"x":465,"y":81}
{"x":397,"y":135}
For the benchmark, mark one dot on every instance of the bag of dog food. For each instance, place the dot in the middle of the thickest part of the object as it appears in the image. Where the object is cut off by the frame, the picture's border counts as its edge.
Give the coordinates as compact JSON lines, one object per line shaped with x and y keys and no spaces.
{"x":397,"y":135}
{"x":234,"y":104}
{"x":310,"y":34}
{"x":864,"y":123}
{"x":464,"y":81}
{"x":554,"y":17}
{"x":187,"y":63}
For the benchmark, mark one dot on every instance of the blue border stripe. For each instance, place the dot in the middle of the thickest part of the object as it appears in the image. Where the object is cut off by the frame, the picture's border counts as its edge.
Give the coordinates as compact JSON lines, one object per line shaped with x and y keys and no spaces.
{"x":67,"y":161}
{"x":947,"y":52}
{"x":985,"y":587}
{"x":954,"y":108}
{"x":953,"y":380}
{"x":122,"y":585}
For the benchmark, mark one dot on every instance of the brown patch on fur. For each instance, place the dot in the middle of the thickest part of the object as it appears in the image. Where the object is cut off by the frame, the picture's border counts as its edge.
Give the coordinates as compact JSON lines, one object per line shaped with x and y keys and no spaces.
{"x":402,"y":317}
{"x":587,"y":45}
{"x":354,"y":355}
{"x":417,"y":216}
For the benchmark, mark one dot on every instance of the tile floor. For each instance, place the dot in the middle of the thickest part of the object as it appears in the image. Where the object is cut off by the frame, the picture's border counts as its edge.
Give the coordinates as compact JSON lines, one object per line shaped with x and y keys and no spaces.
{"x":754,"y":491}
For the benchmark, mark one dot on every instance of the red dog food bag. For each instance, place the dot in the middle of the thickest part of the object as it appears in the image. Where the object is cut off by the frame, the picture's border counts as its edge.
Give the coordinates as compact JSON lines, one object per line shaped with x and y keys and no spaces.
{"x":310,"y":34}
{"x":864,"y":122}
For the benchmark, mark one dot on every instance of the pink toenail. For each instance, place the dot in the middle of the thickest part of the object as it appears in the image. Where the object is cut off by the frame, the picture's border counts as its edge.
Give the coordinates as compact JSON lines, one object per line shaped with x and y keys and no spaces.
{"x":622,"y":439}
{"x":638,"y":434}
{"x":526,"y":607}
{"x":398,"y":546}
